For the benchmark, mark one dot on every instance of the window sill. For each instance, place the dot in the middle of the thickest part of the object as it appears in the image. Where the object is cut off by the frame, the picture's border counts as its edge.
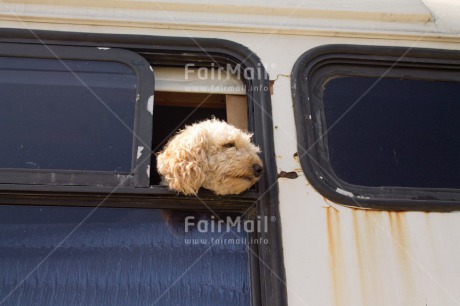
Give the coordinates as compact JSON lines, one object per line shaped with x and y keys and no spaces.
{"x":153,"y":197}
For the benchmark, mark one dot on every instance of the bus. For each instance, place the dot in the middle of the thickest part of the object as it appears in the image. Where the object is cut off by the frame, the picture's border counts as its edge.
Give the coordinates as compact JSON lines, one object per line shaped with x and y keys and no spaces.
{"x":354,"y":105}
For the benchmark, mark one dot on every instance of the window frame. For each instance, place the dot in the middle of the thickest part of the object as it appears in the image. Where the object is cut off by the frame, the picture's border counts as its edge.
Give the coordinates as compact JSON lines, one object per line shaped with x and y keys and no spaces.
{"x":268,"y":281}
{"x":318,"y":65}
{"x":140,"y":159}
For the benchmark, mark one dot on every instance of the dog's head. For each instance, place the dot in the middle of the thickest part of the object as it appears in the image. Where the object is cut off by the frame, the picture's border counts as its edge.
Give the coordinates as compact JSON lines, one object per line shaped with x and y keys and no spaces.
{"x":210,"y":154}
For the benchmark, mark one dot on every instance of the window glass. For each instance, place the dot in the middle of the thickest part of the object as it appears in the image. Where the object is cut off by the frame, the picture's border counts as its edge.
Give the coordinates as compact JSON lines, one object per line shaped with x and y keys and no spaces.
{"x":119,"y":257}
{"x":377,"y":127}
{"x":401,"y":132}
{"x":66,"y":114}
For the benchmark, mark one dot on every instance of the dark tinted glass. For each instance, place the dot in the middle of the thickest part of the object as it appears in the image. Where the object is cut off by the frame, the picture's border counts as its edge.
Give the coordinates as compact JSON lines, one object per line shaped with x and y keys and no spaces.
{"x":66,"y":114}
{"x":118,"y":257}
{"x":401,"y":133}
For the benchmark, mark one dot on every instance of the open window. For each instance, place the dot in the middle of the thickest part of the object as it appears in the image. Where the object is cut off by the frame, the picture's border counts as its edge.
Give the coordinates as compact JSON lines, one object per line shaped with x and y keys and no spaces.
{"x":82,"y":116}
{"x":187,"y":95}
{"x":108,"y":217}
{"x":377,"y":126}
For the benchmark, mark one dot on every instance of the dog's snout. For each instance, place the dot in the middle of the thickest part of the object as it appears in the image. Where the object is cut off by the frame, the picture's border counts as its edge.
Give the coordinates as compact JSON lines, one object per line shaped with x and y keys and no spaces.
{"x":258,"y":169}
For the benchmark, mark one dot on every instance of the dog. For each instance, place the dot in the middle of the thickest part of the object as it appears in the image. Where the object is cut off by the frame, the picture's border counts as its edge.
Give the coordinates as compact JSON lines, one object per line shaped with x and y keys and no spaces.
{"x":210,"y":154}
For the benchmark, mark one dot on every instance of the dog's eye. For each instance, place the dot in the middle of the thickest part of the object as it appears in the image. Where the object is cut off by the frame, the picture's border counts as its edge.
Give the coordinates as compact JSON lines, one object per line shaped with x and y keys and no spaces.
{"x":229,"y":145}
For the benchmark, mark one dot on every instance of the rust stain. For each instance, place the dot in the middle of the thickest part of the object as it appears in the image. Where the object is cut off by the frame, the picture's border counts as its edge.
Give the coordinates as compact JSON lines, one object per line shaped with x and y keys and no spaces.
{"x":337,"y":267}
{"x":380,"y":246}
{"x":272,"y":83}
{"x":329,"y":205}
{"x":296,"y":157}
{"x":361,"y":245}
{"x":399,"y":234}
{"x":369,"y":253}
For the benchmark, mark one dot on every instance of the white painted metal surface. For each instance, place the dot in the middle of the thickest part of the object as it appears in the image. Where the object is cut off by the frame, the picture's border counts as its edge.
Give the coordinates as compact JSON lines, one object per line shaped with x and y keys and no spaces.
{"x":194,"y":80}
{"x":334,"y":255}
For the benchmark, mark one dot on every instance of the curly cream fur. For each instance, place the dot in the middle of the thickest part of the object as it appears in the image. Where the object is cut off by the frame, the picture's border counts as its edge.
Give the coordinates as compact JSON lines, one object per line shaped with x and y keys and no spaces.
{"x":211,"y":154}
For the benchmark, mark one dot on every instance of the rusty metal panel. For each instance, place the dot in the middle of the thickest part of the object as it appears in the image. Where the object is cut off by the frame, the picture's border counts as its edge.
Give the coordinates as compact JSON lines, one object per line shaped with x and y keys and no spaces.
{"x":392,"y":258}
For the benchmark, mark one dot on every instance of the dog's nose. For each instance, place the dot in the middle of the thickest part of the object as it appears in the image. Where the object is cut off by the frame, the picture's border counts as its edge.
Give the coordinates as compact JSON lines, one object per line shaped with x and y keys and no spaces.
{"x":257,"y":169}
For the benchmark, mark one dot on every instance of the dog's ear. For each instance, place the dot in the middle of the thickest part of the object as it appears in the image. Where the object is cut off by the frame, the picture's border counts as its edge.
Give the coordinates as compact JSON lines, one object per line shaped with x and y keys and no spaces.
{"x":182,"y":162}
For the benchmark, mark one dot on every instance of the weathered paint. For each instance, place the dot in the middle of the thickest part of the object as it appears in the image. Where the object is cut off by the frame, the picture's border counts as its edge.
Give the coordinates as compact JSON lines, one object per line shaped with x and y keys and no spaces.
{"x":139,"y":151}
{"x":150,"y":105}
{"x":377,"y":258}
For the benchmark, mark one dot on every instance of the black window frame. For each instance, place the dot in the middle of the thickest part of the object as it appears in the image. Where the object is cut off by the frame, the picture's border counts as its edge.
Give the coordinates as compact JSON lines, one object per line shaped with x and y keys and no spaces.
{"x":140,"y":159}
{"x":320,"y":64}
{"x":268,"y":284}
